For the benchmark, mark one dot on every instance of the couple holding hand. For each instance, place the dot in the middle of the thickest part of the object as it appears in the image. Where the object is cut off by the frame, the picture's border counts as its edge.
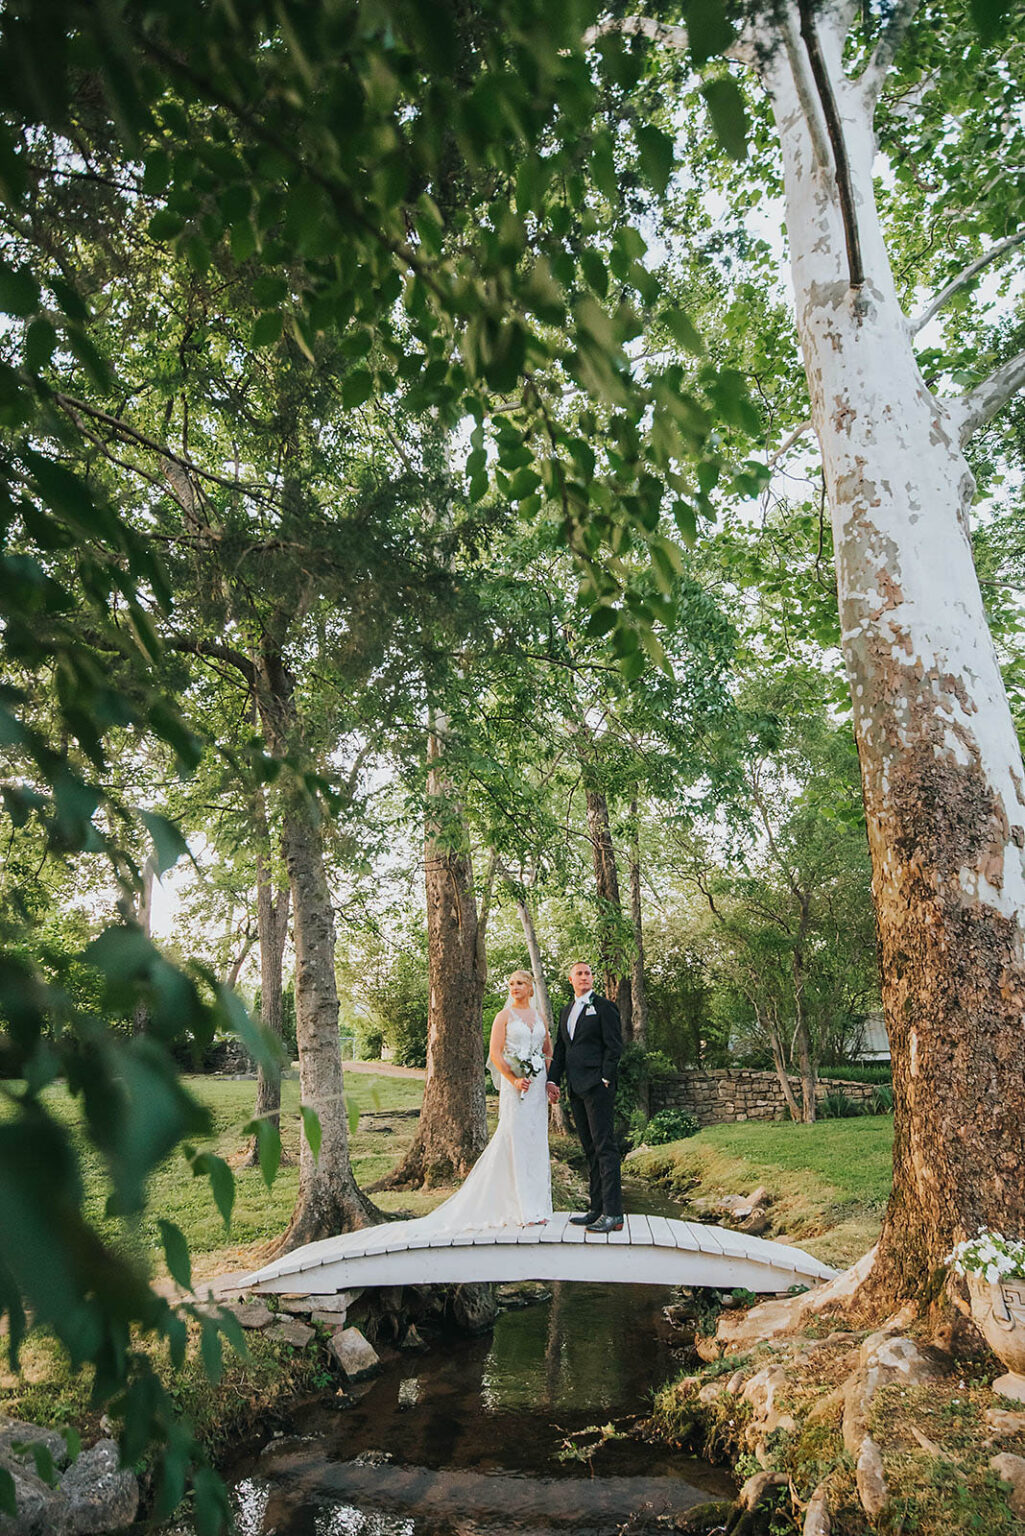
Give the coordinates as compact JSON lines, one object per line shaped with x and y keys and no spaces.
{"x":510,"y":1185}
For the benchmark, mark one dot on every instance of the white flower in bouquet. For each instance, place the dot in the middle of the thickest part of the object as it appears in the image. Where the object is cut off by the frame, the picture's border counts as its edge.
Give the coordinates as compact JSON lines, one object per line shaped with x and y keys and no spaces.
{"x":528,"y":1066}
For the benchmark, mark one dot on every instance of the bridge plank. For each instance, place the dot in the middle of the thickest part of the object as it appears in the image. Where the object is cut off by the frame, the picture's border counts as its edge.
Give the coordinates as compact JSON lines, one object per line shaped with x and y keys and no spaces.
{"x":639,"y":1231}
{"x":662,"y":1231}
{"x":695,"y":1235}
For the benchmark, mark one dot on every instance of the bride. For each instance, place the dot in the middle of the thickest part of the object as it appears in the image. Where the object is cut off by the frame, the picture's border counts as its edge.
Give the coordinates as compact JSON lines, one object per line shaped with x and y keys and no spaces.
{"x":510,"y":1184}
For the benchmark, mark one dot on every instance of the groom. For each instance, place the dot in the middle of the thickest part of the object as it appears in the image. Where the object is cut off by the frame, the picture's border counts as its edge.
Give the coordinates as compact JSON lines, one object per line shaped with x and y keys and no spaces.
{"x":587,"y":1048}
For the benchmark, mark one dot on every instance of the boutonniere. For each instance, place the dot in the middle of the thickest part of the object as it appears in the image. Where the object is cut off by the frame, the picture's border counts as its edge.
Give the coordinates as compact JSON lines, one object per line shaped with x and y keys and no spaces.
{"x":590,"y":1009}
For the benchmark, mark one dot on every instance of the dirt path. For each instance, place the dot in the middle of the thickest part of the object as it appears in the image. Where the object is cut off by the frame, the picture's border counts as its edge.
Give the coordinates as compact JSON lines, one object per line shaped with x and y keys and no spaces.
{"x":384,"y":1069}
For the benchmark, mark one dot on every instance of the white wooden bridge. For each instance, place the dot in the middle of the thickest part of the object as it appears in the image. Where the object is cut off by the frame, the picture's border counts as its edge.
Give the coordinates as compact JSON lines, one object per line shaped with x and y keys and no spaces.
{"x":650,"y":1250}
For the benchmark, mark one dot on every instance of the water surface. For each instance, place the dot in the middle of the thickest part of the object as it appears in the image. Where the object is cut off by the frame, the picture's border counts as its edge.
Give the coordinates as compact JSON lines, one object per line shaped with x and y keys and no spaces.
{"x":526,"y":1429}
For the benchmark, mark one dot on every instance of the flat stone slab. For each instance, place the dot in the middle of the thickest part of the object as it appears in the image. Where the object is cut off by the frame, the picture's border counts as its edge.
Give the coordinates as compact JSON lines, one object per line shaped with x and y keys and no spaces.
{"x":291,"y":1331}
{"x":354,"y":1354}
{"x":335,"y":1301}
{"x":331,"y":1320}
{"x":250,"y":1314}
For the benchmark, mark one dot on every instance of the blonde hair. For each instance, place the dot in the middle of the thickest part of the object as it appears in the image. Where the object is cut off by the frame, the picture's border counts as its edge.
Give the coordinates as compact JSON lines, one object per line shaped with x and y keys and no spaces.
{"x":521,"y":976}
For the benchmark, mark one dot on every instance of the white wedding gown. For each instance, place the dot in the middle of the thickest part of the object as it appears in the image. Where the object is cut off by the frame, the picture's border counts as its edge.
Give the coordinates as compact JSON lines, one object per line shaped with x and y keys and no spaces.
{"x":510,"y":1184}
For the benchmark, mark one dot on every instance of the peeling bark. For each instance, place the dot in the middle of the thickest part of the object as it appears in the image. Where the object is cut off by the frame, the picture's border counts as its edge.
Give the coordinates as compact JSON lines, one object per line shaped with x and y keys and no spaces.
{"x":940,"y":763}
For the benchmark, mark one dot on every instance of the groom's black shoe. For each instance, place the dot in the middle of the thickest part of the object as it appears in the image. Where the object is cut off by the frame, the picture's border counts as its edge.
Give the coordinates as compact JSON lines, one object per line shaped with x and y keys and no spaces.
{"x":606,"y":1224}
{"x":586,"y":1219}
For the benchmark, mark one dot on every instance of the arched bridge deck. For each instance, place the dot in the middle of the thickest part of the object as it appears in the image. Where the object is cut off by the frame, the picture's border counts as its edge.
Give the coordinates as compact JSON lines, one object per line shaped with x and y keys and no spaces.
{"x":653,"y":1250}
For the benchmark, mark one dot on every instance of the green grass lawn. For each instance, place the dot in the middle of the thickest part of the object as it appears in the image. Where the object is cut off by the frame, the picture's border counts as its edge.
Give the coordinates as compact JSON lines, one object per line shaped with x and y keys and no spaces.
{"x":829,"y":1181}
{"x":376,"y":1144}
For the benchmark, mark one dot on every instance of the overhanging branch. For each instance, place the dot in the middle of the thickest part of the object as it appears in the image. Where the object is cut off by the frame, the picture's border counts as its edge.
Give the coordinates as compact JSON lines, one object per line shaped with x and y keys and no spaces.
{"x":878,"y":66}
{"x":966,"y":276}
{"x":214,"y":651}
{"x":974,"y":409}
{"x":667,"y":33}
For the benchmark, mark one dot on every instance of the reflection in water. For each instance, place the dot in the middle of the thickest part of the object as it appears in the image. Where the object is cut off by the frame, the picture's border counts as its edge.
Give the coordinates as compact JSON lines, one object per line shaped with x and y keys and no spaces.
{"x":250,"y":1496}
{"x":345,"y":1520}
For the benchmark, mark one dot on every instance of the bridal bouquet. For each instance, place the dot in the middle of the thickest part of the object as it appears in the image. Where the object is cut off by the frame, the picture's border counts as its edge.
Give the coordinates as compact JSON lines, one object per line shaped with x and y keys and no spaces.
{"x":527,"y":1066}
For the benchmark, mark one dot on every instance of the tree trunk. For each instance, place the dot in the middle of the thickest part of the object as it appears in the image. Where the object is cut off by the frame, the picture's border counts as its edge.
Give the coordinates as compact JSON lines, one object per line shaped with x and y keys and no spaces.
{"x":272,"y":904}
{"x":612,"y":958}
{"x":802,"y":1038}
{"x":771,"y":1027}
{"x":557,"y":1122}
{"x":638,"y":993}
{"x":940,"y":762}
{"x":453,"y":1124}
{"x":328,"y":1200}
{"x":144,"y":918}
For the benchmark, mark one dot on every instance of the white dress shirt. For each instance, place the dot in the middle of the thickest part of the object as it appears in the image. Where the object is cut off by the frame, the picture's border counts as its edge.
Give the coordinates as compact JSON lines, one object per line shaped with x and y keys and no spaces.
{"x":575,"y":1012}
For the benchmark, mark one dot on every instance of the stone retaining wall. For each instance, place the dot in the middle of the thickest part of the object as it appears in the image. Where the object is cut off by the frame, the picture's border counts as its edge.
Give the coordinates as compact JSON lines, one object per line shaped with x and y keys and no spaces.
{"x":741,"y":1093}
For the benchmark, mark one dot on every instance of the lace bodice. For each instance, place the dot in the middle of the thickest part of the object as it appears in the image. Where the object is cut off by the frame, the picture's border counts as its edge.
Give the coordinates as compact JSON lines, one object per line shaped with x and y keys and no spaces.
{"x":524,"y":1034}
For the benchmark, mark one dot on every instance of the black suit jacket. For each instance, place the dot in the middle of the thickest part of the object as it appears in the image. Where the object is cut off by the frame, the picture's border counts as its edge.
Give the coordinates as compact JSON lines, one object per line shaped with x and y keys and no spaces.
{"x":593,"y":1053}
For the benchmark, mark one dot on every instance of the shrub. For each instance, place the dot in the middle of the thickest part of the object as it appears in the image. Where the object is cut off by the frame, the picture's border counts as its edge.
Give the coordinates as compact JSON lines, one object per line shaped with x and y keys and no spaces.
{"x":637,"y":1127}
{"x":369,"y":1042}
{"x":637,"y":1068}
{"x":859,"y":1072}
{"x":837,"y":1106}
{"x":670,"y":1125}
{"x":882,"y":1100}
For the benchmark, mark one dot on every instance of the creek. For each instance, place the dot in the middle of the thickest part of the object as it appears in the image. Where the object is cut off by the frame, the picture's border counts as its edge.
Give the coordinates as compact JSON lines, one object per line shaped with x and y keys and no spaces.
{"x":526,"y":1429}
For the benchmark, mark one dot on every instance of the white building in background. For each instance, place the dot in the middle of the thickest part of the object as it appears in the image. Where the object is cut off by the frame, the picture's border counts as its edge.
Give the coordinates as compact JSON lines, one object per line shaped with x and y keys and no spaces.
{"x":875,"y":1044}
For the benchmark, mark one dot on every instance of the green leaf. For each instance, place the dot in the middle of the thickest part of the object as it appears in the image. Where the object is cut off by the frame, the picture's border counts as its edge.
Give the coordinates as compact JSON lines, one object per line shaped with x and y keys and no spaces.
{"x":168,"y":842}
{"x":266,"y":328}
{"x":263,"y":1046}
{"x":8,"y":1502}
{"x":210,"y":1502}
{"x":686,"y":520}
{"x":242,"y":240}
{"x":595,"y":271}
{"x":73,"y":1441}
{"x":268,"y":1147}
{"x":989,"y":16}
{"x":656,"y":152}
{"x":708,"y":29}
{"x":682,"y":330}
{"x":157,"y":172}
{"x":43,"y":1460}
{"x":356,"y":388}
{"x":210,"y":1350}
{"x":311,"y":1125}
{"x":165,"y":225}
{"x":40,"y":340}
{"x":176,"y":1252}
{"x":728,"y":114}
{"x":222,"y":1183}
{"x":19,"y":291}
{"x":121,"y":953}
